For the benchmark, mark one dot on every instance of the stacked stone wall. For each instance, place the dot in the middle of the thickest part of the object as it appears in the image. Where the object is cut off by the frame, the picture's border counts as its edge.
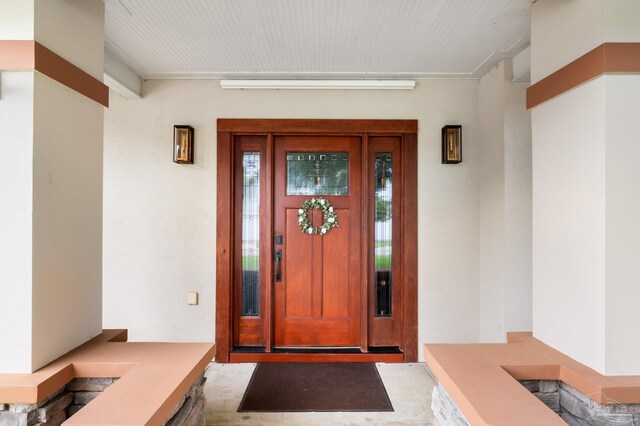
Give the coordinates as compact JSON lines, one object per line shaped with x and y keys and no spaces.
{"x":577,"y":409}
{"x":546,"y":391}
{"x":191,"y":410}
{"x":574,"y":407}
{"x":445,"y":411}
{"x":57,"y":408}
{"x":84,"y":390}
{"x":70,"y":399}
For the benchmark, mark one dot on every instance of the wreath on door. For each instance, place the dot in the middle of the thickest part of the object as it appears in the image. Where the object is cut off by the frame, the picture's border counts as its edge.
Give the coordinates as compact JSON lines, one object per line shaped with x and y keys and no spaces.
{"x":329,"y":215}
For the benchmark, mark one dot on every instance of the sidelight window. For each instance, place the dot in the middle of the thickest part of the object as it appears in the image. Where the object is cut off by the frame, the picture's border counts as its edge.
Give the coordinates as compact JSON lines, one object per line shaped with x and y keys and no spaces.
{"x":383,"y":238}
{"x":250,"y":233}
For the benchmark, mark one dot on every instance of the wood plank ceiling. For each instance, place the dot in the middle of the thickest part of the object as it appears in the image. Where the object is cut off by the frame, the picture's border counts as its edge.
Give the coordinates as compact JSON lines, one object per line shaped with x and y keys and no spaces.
{"x":315,"y":38}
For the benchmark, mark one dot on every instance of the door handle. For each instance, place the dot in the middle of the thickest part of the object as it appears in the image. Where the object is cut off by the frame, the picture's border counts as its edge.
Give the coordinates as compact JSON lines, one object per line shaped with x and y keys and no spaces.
{"x":278,"y":265}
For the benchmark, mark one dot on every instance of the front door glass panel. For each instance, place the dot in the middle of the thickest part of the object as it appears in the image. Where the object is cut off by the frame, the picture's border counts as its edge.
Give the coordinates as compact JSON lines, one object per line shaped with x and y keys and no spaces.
{"x":317,"y":173}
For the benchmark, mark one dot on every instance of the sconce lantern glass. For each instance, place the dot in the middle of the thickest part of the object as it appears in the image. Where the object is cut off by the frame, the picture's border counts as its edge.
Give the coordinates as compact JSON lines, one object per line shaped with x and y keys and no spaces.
{"x":183,"y":144}
{"x":451,"y":144}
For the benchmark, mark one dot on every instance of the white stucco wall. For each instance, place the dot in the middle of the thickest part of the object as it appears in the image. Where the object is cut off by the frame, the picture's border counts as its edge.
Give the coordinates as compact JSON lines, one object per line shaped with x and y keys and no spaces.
{"x":568,"y":223}
{"x":73,"y":29}
{"x":504,"y":162}
{"x":16,"y":122}
{"x":67,"y":220}
{"x":621,"y":20}
{"x":585,"y":181}
{"x":51,"y":223}
{"x":562,"y":31}
{"x":492,"y":206}
{"x":622,"y":226}
{"x":16,"y":20}
{"x":517,"y":216}
{"x":585,"y":229}
{"x":67,"y":185}
{"x":159,"y":217}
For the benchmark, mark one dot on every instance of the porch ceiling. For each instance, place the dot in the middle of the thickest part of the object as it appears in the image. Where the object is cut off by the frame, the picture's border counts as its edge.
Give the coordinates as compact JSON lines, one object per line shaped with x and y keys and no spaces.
{"x":315,"y":38}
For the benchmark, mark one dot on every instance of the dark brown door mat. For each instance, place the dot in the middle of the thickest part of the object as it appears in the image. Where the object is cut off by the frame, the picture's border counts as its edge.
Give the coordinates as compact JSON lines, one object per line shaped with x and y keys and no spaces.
{"x":315,"y":387}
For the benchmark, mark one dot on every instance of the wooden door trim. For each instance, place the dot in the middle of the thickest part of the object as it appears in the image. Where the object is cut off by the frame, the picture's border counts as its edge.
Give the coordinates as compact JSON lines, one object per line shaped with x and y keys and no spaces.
{"x":364,"y":244}
{"x":226,"y":128}
{"x":224,"y":247}
{"x":235,"y":125}
{"x":409,"y":238}
{"x":268,"y":217}
{"x":278,"y":357}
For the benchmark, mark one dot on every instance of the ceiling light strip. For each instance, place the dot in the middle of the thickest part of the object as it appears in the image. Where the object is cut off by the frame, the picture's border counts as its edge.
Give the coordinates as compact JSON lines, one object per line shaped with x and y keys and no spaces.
{"x":320,"y":84}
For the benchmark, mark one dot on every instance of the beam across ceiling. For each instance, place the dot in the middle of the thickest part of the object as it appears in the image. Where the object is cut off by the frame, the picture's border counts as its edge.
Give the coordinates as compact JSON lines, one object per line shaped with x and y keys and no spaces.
{"x":120,"y":78}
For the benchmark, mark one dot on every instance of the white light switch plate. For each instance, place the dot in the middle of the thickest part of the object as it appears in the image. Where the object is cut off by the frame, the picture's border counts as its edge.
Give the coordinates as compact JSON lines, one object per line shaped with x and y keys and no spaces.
{"x":192,"y":298}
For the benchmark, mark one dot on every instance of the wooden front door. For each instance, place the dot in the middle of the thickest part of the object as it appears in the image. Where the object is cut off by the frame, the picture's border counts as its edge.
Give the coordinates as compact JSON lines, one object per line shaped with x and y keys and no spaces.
{"x":286,"y":296}
{"x":317,"y":289}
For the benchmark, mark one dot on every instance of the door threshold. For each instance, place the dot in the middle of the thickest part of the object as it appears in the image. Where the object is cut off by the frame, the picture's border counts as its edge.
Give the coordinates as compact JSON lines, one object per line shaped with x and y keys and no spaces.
{"x":258,"y":354}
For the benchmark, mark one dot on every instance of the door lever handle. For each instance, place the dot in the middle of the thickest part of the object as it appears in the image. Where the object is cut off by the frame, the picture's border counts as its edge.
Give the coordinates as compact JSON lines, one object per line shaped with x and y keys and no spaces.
{"x":278,"y":265}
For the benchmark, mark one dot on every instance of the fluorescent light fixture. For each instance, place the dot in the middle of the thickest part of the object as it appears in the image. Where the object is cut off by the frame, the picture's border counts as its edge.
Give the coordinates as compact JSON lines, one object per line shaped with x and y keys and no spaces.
{"x":320,"y":84}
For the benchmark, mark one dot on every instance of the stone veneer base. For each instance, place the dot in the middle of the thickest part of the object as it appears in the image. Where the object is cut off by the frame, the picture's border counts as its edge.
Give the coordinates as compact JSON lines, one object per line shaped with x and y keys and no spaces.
{"x":70,"y":399}
{"x":57,"y":408}
{"x":191,"y":410}
{"x":574,"y":407}
{"x":445,"y":411}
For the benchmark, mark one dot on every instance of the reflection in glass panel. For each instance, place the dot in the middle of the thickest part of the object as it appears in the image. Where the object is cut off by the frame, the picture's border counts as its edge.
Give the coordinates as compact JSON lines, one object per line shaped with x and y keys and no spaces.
{"x":250,"y":232}
{"x":383,"y":198}
{"x":317,"y":173}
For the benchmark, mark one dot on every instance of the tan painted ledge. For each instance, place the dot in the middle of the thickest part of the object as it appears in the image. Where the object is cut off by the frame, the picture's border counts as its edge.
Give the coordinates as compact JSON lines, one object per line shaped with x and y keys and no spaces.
{"x":483,"y":380}
{"x":153,"y":378}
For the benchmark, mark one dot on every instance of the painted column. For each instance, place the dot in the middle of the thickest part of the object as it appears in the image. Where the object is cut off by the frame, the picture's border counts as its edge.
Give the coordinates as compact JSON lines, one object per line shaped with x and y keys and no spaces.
{"x":586,"y":234}
{"x":51,"y":132}
{"x":504,"y":205}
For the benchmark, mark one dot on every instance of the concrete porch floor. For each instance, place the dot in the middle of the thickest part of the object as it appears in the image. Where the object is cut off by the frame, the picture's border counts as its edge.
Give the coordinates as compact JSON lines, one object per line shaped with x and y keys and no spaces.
{"x":409,"y":387}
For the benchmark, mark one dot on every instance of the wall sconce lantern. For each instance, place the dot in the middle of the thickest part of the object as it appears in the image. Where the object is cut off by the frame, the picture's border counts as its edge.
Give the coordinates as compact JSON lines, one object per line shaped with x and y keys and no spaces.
{"x":183,"y":144}
{"x":451,"y":144}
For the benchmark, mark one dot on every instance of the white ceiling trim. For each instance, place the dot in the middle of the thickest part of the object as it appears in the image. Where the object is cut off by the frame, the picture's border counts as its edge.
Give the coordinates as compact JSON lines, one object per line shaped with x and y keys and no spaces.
{"x":500,"y":55}
{"x":308,"y":76}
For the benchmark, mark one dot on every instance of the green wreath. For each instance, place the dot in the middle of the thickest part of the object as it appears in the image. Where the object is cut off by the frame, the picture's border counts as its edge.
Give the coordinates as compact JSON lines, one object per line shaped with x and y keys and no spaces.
{"x":329,"y":215}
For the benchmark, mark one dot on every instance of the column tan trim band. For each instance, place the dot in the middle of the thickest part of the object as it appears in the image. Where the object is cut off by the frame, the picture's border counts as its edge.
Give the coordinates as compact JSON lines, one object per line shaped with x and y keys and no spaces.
{"x":27,"y":55}
{"x":606,"y":58}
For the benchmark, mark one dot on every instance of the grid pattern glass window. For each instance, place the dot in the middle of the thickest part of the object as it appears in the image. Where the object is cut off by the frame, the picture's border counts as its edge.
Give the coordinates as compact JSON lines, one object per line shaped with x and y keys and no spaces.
{"x":317,"y":173}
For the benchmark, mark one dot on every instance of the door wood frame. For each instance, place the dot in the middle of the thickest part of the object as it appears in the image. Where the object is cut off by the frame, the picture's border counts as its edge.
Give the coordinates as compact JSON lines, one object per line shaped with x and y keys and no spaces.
{"x":406,"y":131}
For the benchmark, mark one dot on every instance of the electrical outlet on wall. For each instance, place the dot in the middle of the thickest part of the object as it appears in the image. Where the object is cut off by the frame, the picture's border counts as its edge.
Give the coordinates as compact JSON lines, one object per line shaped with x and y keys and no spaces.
{"x":192,"y":298}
